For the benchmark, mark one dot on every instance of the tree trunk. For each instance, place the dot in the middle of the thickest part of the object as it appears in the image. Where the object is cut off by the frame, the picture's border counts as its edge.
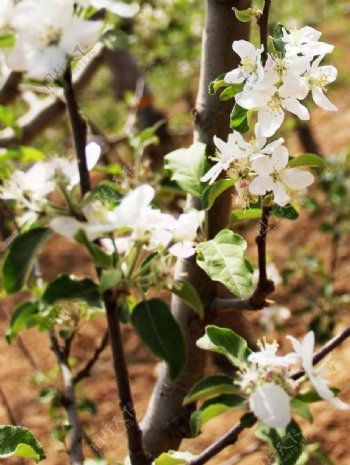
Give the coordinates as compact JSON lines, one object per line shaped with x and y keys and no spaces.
{"x":166,"y":421}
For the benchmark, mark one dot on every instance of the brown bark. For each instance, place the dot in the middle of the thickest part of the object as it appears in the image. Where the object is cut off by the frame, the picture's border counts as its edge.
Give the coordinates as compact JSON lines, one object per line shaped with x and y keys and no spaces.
{"x":165,"y":423}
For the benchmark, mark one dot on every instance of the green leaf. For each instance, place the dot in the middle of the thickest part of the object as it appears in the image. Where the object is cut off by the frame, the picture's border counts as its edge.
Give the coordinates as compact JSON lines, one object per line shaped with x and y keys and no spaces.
{"x":22,"y":154}
{"x":109,"y":279}
{"x":210,"y":387}
{"x":302,"y":409}
{"x":226,"y":342}
{"x":189,"y":295}
{"x":217,"y":84}
{"x":174,"y":457}
{"x":19,"y":441}
{"x":244,"y":16}
{"x":222,"y":258}
{"x":187,"y":166}
{"x":212,"y":192}
{"x":239,"y":119}
{"x":289,"y":446}
{"x":231,"y":91}
{"x":101,"y":258}
{"x":277,"y":41}
{"x":245,"y":214}
{"x":20,"y":258}
{"x":159,"y":330}
{"x":7,"y":117}
{"x":310,"y":396}
{"x":288,"y":212}
{"x":212,"y":408}
{"x":307,"y":159}
{"x":24,"y":316}
{"x":7,"y":40}
{"x":67,"y":288}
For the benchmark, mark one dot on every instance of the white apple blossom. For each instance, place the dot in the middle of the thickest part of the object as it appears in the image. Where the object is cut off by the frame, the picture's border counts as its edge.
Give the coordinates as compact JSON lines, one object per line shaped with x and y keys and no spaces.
{"x":125,"y":10}
{"x":271,"y":102}
{"x":250,"y":68}
{"x":273,"y":175}
{"x":290,"y":71}
{"x":237,"y":153}
{"x":271,"y":404}
{"x":225,"y":155}
{"x":267,"y":356}
{"x":184,"y":233}
{"x":305,"y":350}
{"x":6,"y":10}
{"x":49,"y":35}
{"x":305,"y":41}
{"x":318,"y":79}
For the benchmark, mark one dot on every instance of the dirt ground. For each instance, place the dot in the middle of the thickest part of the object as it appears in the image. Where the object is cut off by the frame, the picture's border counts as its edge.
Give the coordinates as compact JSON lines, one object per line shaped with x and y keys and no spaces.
{"x":331,"y":428}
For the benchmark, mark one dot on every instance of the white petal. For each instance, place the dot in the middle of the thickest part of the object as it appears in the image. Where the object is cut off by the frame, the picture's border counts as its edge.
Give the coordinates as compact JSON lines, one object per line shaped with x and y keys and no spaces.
{"x":262,"y":165}
{"x":294,"y":106}
{"x":235,"y":76}
{"x":47,"y":64}
{"x":280,"y":195}
{"x":79,"y":36}
{"x":252,"y":99}
{"x":243,"y":48}
{"x":271,"y":404}
{"x":182,"y":250}
{"x":93,"y":153}
{"x":280,"y":157}
{"x":260,"y":185}
{"x":213,"y":173}
{"x":330,"y":71}
{"x":294,"y":86}
{"x":118,"y":8}
{"x":321,"y":100}
{"x":297,"y":179}
{"x":270,"y":121}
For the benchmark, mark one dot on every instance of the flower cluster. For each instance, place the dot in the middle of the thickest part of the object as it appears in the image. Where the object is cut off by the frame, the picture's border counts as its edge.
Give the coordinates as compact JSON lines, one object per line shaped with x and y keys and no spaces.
{"x":258,"y":167}
{"x":270,"y":85}
{"x":50,"y":33}
{"x":286,"y":78}
{"x":267,"y":380}
{"x":31,"y":188}
{"x":134,"y":221}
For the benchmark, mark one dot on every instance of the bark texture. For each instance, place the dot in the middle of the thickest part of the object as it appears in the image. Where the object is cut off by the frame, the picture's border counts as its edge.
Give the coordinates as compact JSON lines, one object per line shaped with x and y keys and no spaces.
{"x":165,"y":423}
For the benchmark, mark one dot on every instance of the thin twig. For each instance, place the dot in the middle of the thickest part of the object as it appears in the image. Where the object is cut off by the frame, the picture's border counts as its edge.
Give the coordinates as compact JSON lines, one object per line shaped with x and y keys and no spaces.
{"x":75,"y":450}
{"x":8,"y":408}
{"x":231,"y":436}
{"x":265,"y":286}
{"x":264,"y":25}
{"x":79,"y":129}
{"x":86,"y":371}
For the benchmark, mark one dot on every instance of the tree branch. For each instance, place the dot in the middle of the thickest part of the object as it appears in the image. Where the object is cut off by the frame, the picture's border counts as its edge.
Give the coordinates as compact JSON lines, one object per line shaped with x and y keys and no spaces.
{"x":264,"y":25}
{"x":232,"y":436}
{"x":79,"y":130}
{"x":75,"y":450}
{"x":133,"y":431}
{"x":86,"y":371}
{"x":9,"y":90}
